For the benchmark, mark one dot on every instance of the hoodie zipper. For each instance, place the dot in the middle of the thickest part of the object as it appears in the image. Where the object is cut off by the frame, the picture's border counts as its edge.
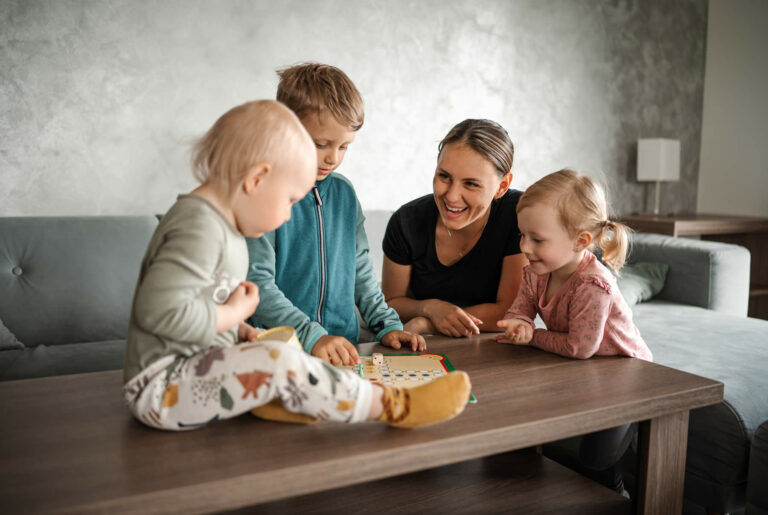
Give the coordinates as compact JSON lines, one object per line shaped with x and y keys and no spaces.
{"x":319,"y":205}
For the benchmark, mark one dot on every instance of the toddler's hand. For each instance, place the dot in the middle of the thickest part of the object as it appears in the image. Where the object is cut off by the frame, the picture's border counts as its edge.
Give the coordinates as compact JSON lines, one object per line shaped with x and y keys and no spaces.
{"x":516,"y":331}
{"x":336,"y":350}
{"x":396,"y":339}
{"x":247,"y":333}
{"x":244,"y":299}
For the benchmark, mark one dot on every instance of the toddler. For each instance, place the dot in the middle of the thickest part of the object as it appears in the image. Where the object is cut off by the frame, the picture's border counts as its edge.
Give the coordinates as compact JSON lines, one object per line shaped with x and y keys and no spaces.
{"x":561,"y":218}
{"x":190,"y":357}
{"x":315,"y":270}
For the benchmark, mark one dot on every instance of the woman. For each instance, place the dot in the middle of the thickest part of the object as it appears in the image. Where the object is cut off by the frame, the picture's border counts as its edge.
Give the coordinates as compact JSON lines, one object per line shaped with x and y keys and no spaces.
{"x":452,"y":260}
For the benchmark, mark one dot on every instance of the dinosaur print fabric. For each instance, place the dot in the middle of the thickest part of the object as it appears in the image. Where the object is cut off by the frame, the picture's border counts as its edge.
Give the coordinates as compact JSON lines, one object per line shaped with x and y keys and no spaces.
{"x":180,"y":392}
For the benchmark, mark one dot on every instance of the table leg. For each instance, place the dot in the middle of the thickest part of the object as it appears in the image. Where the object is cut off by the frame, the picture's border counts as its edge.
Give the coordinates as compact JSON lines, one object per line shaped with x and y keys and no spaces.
{"x":661,"y":468}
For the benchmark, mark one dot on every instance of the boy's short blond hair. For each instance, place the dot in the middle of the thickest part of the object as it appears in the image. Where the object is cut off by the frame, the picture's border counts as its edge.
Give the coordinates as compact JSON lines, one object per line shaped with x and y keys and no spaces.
{"x":309,"y":88}
{"x":261,"y":131}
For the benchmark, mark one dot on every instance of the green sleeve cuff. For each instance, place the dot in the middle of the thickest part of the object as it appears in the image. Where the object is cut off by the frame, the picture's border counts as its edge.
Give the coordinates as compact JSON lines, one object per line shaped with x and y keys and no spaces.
{"x":388,"y":329}
{"x":315,"y":332}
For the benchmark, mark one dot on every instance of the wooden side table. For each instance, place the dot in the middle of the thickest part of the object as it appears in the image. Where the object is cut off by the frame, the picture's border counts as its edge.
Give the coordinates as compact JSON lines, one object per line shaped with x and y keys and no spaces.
{"x":749,"y":232}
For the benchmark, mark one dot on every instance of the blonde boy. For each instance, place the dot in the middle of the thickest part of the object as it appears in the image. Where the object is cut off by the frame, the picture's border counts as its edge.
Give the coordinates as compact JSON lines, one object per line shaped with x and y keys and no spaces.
{"x":190,"y":358}
{"x":315,"y":270}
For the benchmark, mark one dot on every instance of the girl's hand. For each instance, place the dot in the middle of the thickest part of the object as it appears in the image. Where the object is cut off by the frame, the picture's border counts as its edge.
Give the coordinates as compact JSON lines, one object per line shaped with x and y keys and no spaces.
{"x":336,"y":350}
{"x":516,"y":331}
{"x":247,"y":333}
{"x":451,"y":320}
{"x":396,"y":339}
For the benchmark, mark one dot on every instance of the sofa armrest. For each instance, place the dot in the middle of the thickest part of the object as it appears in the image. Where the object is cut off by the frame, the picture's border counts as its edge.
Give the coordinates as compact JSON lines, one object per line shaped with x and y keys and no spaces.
{"x":757,"y":480}
{"x":701,"y":273}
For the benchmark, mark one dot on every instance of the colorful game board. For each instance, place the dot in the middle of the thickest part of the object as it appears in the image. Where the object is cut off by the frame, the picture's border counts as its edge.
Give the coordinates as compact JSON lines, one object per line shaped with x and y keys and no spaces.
{"x":405,"y":370}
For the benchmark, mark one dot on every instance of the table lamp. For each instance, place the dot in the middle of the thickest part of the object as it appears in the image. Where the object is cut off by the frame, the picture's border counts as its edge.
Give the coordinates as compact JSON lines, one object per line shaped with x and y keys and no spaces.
{"x":658,"y":160}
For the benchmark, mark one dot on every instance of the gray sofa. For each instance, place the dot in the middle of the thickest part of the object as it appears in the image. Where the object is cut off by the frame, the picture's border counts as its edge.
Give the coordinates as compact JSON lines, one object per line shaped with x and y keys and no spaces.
{"x":67,"y":285}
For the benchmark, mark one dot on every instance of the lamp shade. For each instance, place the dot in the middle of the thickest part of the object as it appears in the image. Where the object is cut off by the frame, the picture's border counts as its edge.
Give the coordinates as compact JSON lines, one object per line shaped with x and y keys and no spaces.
{"x":658,"y":159}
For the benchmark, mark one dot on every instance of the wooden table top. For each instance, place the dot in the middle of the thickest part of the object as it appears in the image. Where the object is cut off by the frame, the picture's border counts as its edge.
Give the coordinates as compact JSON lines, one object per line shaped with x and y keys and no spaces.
{"x":68,"y":443}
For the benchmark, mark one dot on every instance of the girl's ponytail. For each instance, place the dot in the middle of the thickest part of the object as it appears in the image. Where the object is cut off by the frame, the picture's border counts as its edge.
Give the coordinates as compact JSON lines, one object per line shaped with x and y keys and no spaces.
{"x":613,"y":238}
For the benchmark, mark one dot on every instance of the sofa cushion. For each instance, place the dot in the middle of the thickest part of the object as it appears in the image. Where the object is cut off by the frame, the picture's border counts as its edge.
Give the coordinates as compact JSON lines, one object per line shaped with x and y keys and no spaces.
{"x":708,"y":274}
{"x":723,"y":347}
{"x":639,"y":282}
{"x":70,"y":279}
{"x":8,"y":339}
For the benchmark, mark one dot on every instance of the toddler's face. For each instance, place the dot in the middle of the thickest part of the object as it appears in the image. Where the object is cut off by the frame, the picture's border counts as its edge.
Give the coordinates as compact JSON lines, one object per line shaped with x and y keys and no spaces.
{"x":269,"y":205}
{"x":546,"y":244}
{"x":331,"y":140}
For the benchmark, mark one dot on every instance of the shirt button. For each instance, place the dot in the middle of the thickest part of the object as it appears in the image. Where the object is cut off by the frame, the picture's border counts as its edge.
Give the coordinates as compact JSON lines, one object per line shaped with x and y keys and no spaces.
{"x":17,"y":270}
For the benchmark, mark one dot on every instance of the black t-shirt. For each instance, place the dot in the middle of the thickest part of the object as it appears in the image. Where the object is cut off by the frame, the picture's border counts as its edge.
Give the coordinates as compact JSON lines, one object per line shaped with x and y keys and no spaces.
{"x":474,"y":279}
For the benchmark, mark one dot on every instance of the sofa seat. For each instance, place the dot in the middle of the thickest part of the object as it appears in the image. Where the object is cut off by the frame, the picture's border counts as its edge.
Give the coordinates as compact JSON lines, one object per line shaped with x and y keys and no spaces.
{"x":714,"y":345}
{"x":56,"y":360}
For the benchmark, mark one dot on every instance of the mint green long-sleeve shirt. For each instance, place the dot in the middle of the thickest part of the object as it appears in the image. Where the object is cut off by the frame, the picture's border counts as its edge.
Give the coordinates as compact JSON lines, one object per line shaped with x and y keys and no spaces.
{"x":194,"y":260}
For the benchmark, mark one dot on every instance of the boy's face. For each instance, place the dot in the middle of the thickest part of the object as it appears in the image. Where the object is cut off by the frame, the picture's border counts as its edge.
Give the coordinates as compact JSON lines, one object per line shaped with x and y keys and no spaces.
{"x":331,"y":140}
{"x":269,"y":205}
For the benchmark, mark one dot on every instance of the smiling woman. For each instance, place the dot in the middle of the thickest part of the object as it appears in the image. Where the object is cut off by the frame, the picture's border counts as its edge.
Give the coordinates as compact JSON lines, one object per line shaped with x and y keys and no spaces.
{"x":452,"y":259}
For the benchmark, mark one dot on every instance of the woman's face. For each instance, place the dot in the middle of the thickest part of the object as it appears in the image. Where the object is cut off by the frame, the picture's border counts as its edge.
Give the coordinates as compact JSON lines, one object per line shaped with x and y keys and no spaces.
{"x":464,"y":185}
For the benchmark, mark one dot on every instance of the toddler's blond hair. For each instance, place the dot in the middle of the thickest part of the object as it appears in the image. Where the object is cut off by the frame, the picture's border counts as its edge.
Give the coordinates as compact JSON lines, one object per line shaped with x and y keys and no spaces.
{"x":309,"y":88}
{"x":581,"y":206}
{"x":261,"y":131}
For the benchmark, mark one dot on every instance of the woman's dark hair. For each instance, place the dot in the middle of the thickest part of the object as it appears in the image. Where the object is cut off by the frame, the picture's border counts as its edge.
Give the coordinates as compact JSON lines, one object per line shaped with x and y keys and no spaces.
{"x":487,"y":138}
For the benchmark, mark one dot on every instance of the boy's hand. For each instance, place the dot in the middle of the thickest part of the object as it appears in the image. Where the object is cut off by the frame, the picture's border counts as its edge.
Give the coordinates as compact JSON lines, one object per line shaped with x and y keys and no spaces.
{"x":516,"y":331}
{"x":247,"y":333}
{"x":451,"y":320}
{"x":336,"y":350}
{"x":397,"y":339}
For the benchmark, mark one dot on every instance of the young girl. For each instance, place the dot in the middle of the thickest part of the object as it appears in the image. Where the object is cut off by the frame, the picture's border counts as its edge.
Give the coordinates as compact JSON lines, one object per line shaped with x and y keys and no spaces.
{"x":561,"y":218}
{"x":190,"y":357}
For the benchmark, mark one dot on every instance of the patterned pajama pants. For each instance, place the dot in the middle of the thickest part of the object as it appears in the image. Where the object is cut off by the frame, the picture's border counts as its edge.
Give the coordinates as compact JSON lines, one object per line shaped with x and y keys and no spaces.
{"x":180,"y":392}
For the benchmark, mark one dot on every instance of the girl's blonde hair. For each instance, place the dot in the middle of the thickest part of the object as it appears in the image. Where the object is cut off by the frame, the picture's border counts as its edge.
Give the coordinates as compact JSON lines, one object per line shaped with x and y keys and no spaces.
{"x":581,"y":206}
{"x":262,"y":131}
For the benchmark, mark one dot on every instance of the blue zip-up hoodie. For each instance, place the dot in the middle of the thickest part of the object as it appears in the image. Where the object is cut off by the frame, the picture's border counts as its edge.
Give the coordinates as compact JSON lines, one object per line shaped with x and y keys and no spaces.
{"x":314,"y":269}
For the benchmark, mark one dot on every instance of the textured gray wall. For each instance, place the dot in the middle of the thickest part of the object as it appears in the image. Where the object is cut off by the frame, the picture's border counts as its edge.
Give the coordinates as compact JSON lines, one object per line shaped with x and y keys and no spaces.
{"x":101,"y":99}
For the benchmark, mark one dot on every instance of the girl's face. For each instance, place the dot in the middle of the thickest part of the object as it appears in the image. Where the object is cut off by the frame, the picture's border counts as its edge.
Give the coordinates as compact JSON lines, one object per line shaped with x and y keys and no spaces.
{"x":544,"y":241}
{"x":464,"y":185}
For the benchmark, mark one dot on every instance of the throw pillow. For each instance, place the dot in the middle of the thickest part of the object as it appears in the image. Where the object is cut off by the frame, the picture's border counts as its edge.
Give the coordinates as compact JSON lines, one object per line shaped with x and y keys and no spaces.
{"x":639,"y":282}
{"x":7,"y":339}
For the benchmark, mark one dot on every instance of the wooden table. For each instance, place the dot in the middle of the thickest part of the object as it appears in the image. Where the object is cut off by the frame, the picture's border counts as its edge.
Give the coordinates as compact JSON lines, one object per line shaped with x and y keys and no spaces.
{"x":748,"y":231}
{"x":69,"y":444}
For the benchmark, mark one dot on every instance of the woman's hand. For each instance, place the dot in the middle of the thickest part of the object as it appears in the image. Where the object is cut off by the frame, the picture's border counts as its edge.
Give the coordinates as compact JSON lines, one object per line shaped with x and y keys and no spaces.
{"x":397,"y":339}
{"x":451,"y":320}
{"x":419,"y":325}
{"x":336,"y":350}
{"x":516,"y":331}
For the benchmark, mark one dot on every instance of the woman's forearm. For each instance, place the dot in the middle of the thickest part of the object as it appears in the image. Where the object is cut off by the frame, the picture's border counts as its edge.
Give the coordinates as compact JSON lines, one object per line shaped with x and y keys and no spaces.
{"x":409,"y":308}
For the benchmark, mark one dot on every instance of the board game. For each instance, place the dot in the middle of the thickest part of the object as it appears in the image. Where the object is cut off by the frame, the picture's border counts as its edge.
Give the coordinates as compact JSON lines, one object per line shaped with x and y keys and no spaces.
{"x":405,"y":370}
